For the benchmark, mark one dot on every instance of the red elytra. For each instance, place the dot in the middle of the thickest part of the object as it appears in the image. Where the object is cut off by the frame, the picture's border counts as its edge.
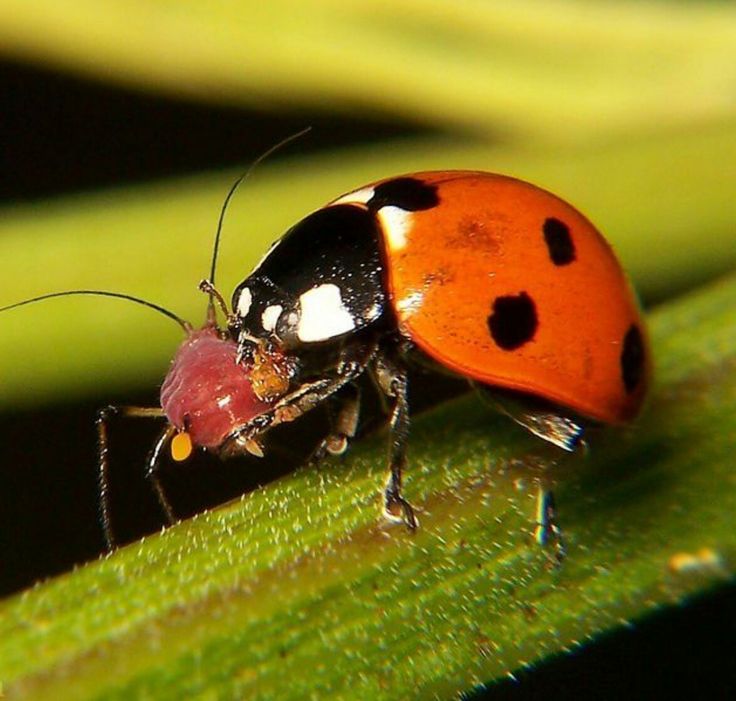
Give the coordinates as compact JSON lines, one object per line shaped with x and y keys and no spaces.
{"x":505,"y":283}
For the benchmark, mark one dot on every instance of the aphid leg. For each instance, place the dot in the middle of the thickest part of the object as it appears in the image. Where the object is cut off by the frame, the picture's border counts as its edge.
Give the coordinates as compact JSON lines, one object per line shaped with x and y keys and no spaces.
{"x":548,"y":530}
{"x":154,"y":462}
{"x":103,"y":417}
{"x":393,"y":382}
{"x":344,"y":411}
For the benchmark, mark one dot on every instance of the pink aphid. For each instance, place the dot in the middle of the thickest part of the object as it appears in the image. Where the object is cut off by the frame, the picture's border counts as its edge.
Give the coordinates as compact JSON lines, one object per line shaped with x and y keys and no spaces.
{"x":207,"y":394}
{"x":211,"y":397}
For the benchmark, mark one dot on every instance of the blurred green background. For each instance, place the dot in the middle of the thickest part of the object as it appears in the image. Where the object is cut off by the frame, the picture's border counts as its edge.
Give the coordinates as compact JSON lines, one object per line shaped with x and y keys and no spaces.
{"x":125,"y":122}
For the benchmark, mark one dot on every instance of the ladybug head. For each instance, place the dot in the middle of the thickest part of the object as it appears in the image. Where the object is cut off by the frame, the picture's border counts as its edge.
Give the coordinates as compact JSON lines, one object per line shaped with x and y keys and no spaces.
{"x":264,"y":312}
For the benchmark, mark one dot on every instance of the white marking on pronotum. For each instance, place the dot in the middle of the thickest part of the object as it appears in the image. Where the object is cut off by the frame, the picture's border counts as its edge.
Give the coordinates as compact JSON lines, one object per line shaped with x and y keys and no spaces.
{"x":361,"y":196}
{"x":322,"y":314}
{"x":396,"y":224}
{"x":244,"y":302}
{"x":270,"y":316}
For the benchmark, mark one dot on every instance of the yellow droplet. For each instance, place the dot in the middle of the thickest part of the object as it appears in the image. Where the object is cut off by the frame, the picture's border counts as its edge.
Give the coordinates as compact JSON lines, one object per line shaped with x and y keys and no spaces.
{"x":181,"y":446}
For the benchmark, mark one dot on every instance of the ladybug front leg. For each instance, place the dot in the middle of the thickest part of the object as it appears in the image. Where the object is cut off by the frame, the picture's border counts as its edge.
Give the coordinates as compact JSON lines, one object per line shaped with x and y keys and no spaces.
{"x":344,"y":412}
{"x":305,"y":398}
{"x":393,"y":382}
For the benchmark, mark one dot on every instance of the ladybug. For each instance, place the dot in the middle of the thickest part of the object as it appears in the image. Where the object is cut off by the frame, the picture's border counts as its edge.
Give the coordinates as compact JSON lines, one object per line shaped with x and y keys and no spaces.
{"x":482,"y":276}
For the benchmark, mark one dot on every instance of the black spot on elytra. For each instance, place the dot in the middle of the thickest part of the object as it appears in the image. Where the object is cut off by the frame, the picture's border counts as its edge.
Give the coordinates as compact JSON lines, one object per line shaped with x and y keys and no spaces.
{"x":632,"y":358}
{"x":409,"y":194}
{"x":559,"y":243}
{"x":513,"y":321}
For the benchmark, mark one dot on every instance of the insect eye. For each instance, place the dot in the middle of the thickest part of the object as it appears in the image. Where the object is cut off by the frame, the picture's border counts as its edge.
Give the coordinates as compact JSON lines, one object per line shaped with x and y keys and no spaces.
{"x":287,"y":328}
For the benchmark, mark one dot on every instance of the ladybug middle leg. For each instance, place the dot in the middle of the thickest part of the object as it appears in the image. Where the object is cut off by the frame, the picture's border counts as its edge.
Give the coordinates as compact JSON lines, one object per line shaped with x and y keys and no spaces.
{"x":392,"y":380}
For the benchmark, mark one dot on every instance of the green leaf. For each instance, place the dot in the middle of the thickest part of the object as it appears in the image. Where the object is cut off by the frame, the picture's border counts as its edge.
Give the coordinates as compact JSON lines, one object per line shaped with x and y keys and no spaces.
{"x":558,"y":70}
{"x":299,"y":589}
{"x":665,"y":203}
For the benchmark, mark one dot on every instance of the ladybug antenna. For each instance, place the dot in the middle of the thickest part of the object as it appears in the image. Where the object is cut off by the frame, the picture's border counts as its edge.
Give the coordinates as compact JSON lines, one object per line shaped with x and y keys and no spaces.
{"x":104,"y":293}
{"x":210,"y":287}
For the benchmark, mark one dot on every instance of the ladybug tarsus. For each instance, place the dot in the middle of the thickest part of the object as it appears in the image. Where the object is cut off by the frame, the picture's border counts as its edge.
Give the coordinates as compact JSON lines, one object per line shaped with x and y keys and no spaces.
{"x":548,"y":530}
{"x":343,"y":411}
{"x":305,"y":397}
{"x":392,"y":379}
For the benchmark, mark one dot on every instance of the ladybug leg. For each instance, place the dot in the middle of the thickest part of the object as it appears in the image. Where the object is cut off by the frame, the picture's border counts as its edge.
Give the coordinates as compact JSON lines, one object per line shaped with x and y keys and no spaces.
{"x":555,"y":428}
{"x":287,"y":409}
{"x":103,"y":463}
{"x":303,"y":399}
{"x":382,"y":399}
{"x":393,"y":382}
{"x":548,"y":530}
{"x":543,"y":422}
{"x":343,"y":422}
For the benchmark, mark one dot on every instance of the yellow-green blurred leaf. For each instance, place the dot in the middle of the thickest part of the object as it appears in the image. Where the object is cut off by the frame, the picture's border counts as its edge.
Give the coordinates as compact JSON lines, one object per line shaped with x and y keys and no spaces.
{"x":554,"y":69}
{"x":666,"y":203}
